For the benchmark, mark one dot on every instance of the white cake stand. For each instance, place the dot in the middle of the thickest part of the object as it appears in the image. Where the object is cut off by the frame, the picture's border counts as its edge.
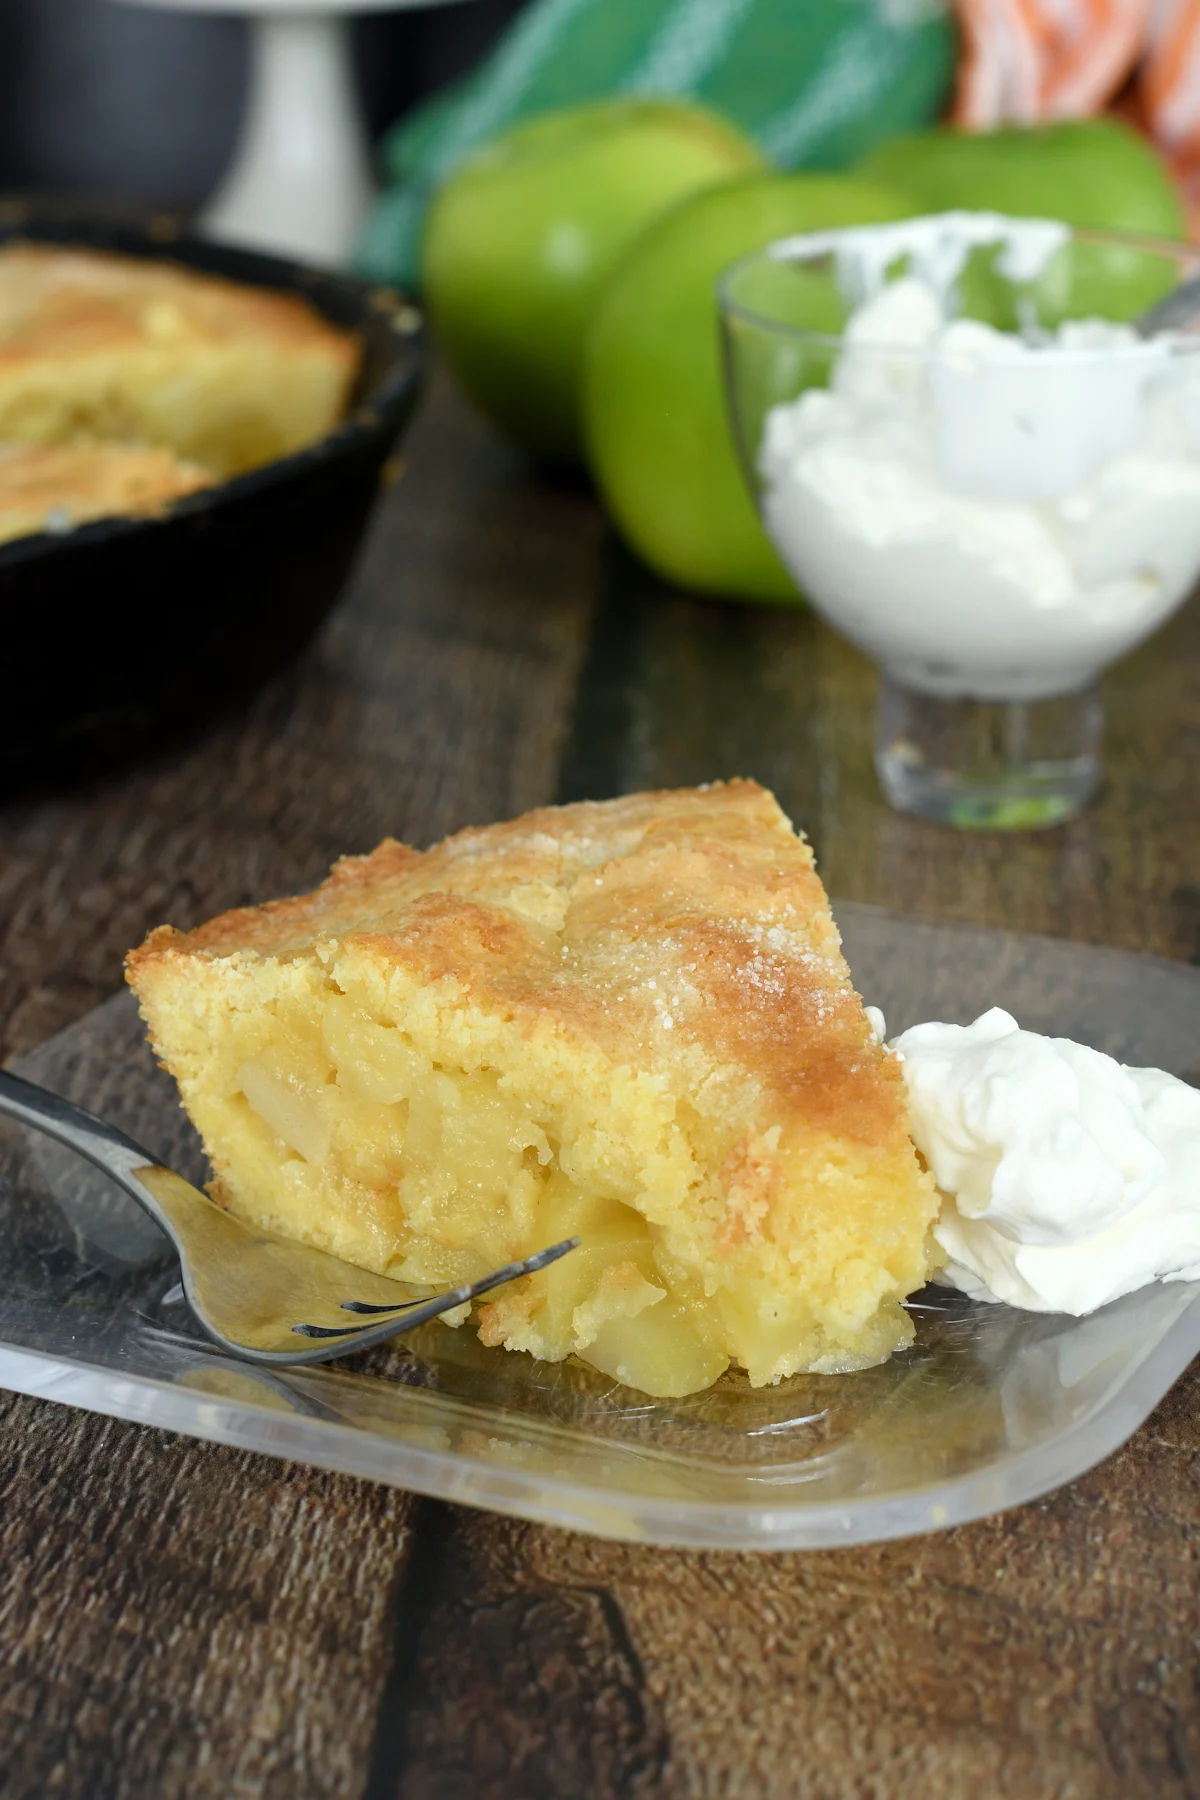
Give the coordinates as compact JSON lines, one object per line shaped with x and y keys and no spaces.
{"x":300,"y":182}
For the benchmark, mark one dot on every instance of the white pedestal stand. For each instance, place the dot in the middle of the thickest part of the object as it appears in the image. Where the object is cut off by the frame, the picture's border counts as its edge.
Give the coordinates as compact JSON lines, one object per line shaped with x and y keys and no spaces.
{"x":300,"y":182}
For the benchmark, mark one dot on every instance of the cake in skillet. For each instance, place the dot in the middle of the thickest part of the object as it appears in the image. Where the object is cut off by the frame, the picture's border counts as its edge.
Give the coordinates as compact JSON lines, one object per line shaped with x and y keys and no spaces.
{"x":96,"y":345}
{"x":54,"y":487}
{"x":627,"y":1021}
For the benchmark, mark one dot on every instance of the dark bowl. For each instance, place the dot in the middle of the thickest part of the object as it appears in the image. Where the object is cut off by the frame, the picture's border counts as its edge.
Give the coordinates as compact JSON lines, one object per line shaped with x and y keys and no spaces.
{"x":125,"y":632}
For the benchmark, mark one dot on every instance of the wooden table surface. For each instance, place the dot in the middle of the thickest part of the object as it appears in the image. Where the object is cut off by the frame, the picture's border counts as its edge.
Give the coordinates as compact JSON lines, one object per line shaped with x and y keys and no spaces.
{"x":178,"y":1619}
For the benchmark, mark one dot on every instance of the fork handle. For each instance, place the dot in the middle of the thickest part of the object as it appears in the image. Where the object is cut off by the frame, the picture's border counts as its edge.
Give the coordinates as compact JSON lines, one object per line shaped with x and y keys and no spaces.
{"x":103,"y":1144}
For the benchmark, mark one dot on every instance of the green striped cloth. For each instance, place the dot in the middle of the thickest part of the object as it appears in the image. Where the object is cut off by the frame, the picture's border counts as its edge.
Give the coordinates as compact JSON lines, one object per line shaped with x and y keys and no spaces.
{"x":815,"y":82}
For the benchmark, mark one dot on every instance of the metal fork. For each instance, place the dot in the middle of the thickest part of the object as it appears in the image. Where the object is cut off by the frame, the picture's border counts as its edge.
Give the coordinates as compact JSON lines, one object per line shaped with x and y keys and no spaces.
{"x":266,"y":1298}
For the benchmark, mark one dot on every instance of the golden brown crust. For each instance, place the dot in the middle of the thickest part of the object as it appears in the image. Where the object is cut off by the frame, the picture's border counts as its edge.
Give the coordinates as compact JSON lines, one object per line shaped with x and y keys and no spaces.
{"x":65,"y":303}
{"x":646,"y":925}
{"x":57,"y":486}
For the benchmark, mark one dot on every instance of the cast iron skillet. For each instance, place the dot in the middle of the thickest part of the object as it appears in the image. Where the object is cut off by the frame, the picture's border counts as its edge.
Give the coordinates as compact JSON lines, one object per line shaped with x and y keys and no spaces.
{"x":124,"y":632}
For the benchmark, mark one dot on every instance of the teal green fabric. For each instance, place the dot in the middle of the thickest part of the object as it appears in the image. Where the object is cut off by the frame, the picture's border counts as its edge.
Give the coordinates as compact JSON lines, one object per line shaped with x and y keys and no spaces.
{"x":816,"y":83}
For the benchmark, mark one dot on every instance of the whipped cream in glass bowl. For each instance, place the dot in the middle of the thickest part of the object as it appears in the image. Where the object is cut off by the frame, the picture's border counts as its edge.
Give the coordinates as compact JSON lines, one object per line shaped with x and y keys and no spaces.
{"x":977,"y":470}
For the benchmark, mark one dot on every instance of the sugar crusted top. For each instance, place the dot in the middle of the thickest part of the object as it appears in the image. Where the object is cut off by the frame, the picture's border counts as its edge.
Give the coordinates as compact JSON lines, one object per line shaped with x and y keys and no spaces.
{"x":70,"y":302}
{"x":685,"y":932}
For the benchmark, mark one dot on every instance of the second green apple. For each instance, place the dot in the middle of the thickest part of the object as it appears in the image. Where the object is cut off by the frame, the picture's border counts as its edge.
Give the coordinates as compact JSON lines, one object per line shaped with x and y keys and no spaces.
{"x":658,"y":440}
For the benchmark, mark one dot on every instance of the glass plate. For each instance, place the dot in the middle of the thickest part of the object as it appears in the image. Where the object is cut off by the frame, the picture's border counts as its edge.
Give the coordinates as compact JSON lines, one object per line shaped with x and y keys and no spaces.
{"x":989,"y":1407}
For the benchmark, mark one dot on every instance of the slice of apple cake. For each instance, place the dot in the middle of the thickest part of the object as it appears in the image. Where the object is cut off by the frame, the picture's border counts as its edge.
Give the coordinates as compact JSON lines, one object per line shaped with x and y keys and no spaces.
{"x":628,"y":1021}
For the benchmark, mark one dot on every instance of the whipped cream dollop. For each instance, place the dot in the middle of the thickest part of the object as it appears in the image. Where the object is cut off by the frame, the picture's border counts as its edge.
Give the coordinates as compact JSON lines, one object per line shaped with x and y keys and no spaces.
{"x":1068,"y":1179}
{"x":985,"y":513}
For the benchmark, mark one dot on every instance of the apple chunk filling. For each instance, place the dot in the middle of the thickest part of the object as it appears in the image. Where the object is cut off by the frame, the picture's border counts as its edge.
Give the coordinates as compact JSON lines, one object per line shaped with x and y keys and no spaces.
{"x":458,"y":1175}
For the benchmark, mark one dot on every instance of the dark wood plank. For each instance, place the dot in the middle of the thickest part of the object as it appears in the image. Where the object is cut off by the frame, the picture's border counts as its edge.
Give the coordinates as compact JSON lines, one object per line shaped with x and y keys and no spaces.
{"x":180,"y":1619}
{"x":543,"y":1692}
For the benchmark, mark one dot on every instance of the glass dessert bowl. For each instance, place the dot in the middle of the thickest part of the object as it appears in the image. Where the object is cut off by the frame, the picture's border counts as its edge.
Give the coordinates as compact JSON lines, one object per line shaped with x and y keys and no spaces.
{"x":979,"y":472}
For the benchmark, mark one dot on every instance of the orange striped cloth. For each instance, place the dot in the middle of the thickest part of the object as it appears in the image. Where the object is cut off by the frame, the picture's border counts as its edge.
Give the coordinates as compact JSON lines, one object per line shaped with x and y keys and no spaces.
{"x":1025,"y":60}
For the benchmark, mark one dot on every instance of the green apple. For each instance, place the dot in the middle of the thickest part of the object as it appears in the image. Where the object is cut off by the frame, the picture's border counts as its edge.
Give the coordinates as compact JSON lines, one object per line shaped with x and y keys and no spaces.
{"x":657,"y":433}
{"x":1095,"y":172}
{"x":1084,"y":171}
{"x":521,"y":239}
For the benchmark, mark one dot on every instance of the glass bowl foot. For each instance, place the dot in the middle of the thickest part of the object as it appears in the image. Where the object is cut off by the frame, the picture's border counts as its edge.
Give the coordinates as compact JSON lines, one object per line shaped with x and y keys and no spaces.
{"x":988,"y":765}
